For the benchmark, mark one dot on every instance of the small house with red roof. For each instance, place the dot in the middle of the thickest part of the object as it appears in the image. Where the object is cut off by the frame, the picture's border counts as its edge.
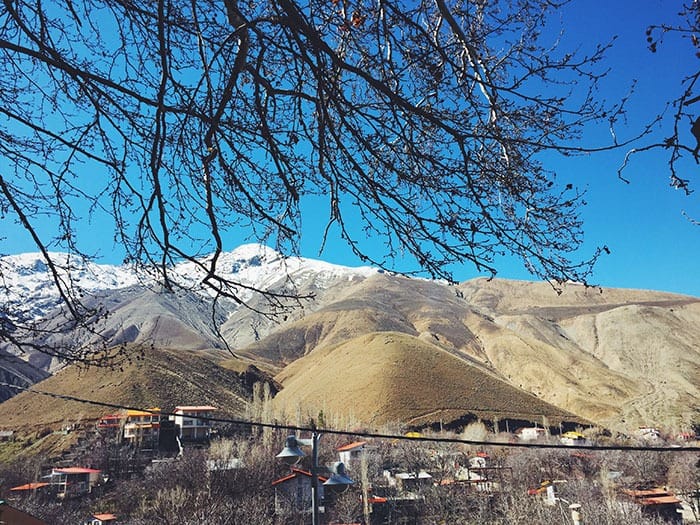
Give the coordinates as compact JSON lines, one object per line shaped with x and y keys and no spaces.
{"x":351,"y":452}
{"x":294,"y":491}
{"x":657,"y":502}
{"x":104,"y":518}
{"x":193,"y":422}
{"x":71,"y":482}
{"x":9,"y":514}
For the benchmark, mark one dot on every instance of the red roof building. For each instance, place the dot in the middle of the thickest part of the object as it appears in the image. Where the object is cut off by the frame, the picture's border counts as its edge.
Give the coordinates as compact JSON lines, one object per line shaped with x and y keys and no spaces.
{"x":15,"y":516}
{"x":111,"y":421}
{"x":657,"y":501}
{"x":71,"y":482}
{"x":101,"y":519}
{"x":350,"y":452}
{"x":293,"y":491}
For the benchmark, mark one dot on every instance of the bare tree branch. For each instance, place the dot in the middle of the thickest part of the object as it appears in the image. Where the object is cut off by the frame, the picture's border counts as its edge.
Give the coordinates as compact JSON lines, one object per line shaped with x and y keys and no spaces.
{"x":424,"y":125}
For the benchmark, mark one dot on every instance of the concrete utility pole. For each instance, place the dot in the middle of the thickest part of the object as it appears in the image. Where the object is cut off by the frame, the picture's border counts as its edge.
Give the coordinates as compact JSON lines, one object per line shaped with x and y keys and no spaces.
{"x":314,"y":478}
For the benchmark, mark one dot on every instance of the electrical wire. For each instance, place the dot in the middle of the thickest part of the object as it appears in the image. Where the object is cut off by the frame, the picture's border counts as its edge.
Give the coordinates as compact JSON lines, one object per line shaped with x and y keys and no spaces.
{"x":365,"y":434}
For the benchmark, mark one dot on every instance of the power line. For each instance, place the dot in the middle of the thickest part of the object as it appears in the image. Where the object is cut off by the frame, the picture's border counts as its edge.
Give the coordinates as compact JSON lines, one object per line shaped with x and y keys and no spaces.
{"x":365,"y":434}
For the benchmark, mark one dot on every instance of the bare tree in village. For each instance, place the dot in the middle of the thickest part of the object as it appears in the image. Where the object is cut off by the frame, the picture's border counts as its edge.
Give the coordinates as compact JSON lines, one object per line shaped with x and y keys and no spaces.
{"x":424,"y":124}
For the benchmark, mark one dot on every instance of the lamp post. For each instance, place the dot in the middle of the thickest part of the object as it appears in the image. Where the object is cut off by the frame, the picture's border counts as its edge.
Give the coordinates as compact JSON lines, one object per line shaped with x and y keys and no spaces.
{"x":292,"y":451}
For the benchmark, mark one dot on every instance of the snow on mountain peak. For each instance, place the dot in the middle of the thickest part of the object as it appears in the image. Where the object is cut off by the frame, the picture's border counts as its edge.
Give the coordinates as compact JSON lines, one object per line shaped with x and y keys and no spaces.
{"x":28,"y":281}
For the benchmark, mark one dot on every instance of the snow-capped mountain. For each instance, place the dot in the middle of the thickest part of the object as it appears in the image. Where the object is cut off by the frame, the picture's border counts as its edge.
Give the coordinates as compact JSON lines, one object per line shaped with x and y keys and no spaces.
{"x":27,"y":284}
{"x":133,"y":307}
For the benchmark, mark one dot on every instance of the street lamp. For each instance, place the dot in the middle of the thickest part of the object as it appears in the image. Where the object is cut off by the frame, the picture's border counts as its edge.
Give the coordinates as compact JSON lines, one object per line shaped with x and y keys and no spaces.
{"x":339,"y":476}
{"x":293,"y":452}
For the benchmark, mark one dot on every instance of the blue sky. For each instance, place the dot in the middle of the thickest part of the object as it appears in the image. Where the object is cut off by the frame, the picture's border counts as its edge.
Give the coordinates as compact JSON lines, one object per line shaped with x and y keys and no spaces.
{"x":653,"y":246}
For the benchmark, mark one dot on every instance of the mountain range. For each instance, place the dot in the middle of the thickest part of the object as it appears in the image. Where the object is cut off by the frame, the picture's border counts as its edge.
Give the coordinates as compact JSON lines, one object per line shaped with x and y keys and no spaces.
{"x":372,"y":348}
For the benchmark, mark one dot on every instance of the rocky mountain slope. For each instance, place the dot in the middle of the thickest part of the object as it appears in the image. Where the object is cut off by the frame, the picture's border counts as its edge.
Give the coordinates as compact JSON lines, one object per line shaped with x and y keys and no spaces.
{"x":17,"y":372}
{"x":620,"y":358}
{"x":376,"y":348}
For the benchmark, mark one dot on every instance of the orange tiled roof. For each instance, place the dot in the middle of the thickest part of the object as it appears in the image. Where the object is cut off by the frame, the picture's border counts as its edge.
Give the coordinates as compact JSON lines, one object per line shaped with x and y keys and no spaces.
{"x":105,"y":517}
{"x":30,"y":486}
{"x":657,"y":496}
{"x":76,"y":470}
{"x":350,"y":446}
{"x":296,"y":472}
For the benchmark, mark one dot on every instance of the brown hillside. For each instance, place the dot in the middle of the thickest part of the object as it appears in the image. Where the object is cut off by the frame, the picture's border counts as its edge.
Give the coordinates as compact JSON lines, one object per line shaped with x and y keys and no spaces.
{"x":339,"y":322}
{"x":620,"y":358}
{"x":623,"y":358}
{"x":379,"y":303}
{"x":388,"y":377}
{"x":508,"y":296}
{"x":163,"y":378}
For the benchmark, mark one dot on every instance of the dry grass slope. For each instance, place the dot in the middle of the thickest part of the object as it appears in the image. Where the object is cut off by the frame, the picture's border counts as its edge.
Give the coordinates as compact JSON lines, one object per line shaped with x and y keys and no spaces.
{"x":622,"y":358}
{"x":163,"y":378}
{"x":619,"y":358}
{"x":389,"y":377}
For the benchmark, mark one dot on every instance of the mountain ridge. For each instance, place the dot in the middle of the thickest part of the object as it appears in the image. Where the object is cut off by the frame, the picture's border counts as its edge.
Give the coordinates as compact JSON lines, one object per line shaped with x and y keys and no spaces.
{"x":614,"y":357}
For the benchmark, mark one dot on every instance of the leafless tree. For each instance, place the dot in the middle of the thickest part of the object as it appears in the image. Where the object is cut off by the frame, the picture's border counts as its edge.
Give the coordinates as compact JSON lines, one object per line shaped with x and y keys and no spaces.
{"x":423,"y":124}
{"x":684,"y":138}
{"x":684,"y":477}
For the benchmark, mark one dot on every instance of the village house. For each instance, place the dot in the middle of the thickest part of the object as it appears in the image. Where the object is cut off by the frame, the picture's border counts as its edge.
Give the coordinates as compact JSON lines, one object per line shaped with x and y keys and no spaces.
{"x":572,"y":438}
{"x":101,"y":519}
{"x":193,"y":423}
{"x":648,"y":434}
{"x":351,"y":452}
{"x":477,"y":475}
{"x":657,"y":502}
{"x":293,"y":491}
{"x":13,"y":516}
{"x":407,"y":482}
{"x":142,"y":427}
{"x":546,"y":491}
{"x":148,"y":428}
{"x":111,"y":424}
{"x":63,"y":483}
{"x":71,"y":482}
{"x":530,"y":433}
